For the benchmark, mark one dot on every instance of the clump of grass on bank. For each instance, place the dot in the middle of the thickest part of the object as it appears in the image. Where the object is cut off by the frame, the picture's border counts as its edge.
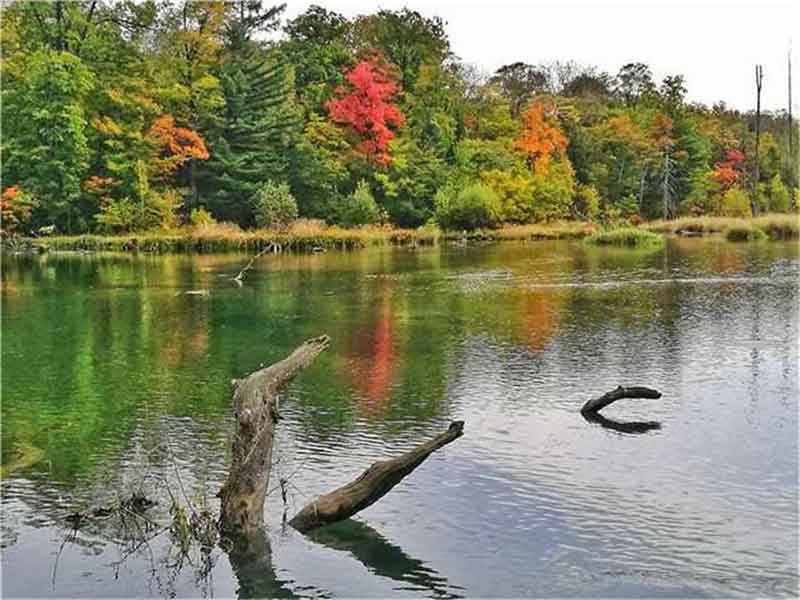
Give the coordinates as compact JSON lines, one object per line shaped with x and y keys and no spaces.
{"x":629,"y":237}
{"x":744,"y":233}
{"x":779,"y":226}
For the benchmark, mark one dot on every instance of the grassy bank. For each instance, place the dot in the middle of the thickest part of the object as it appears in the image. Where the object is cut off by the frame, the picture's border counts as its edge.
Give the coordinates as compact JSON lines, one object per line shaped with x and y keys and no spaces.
{"x":775,"y":226}
{"x":315,"y":236}
{"x":302,"y":236}
{"x":557,"y":230}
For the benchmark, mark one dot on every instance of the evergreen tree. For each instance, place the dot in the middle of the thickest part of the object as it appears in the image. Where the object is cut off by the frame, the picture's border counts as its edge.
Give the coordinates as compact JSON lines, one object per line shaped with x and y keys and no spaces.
{"x":250,"y":145}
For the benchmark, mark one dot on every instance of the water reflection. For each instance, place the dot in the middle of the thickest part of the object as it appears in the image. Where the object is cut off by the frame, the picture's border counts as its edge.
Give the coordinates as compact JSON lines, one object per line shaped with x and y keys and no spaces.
{"x":631,"y":427}
{"x":105,"y":358}
{"x":384,"y":558}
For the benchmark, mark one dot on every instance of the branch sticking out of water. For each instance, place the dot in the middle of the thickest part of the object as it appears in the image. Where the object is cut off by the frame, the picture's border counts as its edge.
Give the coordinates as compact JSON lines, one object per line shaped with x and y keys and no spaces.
{"x":255,"y":402}
{"x":371,"y":485}
{"x":239,"y":278}
{"x":597,"y":404}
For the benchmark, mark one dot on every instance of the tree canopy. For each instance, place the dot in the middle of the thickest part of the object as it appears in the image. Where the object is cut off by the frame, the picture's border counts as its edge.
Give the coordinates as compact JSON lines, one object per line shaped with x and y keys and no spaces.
{"x":132,"y":115}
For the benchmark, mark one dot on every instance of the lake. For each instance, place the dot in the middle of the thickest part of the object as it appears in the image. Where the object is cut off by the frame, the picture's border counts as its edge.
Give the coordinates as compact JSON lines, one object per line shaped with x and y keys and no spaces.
{"x":114,"y":379}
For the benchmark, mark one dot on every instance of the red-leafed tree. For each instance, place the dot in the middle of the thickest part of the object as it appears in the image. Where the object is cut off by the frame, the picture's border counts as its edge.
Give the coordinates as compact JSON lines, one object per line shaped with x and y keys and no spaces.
{"x":727,"y":172}
{"x":366,"y":107}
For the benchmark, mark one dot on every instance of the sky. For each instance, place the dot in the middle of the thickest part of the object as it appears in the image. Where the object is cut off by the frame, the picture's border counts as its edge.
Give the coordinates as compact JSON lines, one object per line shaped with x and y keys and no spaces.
{"x":715,"y":44}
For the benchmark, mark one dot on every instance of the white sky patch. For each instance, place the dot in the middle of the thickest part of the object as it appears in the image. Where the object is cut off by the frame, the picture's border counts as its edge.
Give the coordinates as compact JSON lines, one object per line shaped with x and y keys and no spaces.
{"x":715,"y":44}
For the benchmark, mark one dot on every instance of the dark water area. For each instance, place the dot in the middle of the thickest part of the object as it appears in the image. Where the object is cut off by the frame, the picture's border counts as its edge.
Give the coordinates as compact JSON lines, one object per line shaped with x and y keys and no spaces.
{"x":113,"y":377}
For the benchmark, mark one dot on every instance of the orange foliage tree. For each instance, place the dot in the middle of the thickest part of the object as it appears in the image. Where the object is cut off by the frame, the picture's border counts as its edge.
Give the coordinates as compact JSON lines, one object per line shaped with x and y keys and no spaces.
{"x":539,"y":140}
{"x":179,"y":143}
{"x":16,"y":206}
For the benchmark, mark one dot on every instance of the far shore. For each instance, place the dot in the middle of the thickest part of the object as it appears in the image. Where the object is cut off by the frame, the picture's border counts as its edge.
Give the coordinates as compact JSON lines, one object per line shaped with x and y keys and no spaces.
{"x":314,"y":237}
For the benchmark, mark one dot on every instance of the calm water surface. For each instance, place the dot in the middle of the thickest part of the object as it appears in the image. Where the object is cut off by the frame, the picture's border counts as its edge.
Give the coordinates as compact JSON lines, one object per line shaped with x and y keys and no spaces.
{"x":114,"y":377}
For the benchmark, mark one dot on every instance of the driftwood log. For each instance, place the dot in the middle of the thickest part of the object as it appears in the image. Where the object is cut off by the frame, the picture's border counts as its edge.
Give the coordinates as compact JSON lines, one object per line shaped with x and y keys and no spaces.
{"x":255,"y":402}
{"x":371,"y":485}
{"x":596,"y":404}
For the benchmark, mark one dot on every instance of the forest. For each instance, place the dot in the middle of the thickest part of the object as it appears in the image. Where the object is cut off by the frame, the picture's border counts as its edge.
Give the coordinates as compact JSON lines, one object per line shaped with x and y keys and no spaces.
{"x":133,"y":116}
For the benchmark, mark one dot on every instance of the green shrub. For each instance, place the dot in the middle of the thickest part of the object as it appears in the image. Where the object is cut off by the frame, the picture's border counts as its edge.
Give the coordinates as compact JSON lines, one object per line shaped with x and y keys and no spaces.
{"x":628,"y":206}
{"x":163,"y":208}
{"x":700,"y":198}
{"x":625,"y":236}
{"x":477,"y":205}
{"x":586,"y":205}
{"x":553,"y":192}
{"x":514,"y":190}
{"x":118,"y":216}
{"x":359,"y":208}
{"x":274,"y":205}
{"x":779,"y":198}
{"x":744,"y":233}
{"x":735,"y":203}
{"x":200,"y":217}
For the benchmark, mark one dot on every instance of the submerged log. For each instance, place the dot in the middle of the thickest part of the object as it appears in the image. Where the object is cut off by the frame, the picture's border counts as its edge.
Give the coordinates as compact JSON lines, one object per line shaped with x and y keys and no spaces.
{"x":596,"y":404}
{"x":371,"y":485}
{"x":255,"y":401}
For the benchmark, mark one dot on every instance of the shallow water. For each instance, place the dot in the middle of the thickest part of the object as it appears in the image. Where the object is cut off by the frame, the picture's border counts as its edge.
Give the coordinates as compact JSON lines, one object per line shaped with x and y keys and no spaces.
{"x":113,"y":375}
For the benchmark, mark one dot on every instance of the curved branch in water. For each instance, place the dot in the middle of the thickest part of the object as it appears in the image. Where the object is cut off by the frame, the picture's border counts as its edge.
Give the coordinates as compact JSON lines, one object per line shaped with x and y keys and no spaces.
{"x":596,"y":404}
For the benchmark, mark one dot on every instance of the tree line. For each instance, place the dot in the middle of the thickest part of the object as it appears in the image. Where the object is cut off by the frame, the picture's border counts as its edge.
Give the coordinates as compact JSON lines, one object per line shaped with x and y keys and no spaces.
{"x":134,"y":115}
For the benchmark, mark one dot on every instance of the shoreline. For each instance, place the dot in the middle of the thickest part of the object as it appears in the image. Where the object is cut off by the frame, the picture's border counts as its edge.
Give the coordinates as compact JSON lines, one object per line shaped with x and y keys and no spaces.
{"x":222,"y":238}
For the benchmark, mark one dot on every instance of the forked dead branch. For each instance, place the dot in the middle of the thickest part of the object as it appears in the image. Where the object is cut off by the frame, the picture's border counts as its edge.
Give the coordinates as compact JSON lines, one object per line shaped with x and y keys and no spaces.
{"x":255,"y":401}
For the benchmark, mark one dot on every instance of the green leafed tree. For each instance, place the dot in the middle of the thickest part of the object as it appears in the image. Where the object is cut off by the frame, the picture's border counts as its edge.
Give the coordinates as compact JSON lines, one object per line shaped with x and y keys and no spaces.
{"x":45,"y":147}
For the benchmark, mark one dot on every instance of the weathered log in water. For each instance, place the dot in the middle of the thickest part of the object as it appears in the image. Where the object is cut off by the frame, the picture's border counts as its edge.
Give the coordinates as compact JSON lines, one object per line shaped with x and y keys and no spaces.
{"x":596,"y":404}
{"x":255,"y":401}
{"x":371,"y":485}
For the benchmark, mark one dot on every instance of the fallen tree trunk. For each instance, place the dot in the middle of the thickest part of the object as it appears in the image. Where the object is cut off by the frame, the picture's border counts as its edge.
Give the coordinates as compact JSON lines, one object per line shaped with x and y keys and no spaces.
{"x":371,"y":485}
{"x":255,"y":401}
{"x":596,"y":404}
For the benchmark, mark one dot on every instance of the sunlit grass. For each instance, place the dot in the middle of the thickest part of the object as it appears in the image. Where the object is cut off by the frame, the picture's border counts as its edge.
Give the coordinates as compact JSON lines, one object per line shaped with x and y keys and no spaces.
{"x":775,"y":225}
{"x":532,"y":231}
{"x":625,"y":237}
{"x":304,"y":235}
{"x":307,"y":235}
{"x":744,"y":232}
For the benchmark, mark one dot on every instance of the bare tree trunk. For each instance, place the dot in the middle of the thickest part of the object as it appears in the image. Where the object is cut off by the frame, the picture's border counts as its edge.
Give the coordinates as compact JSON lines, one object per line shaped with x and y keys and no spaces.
{"x":641,"y":187}
{"x":757,"y":176}
{"x":666,"y":184}
{"x":371,"y":485}
{"x":255,"y":401}
{"x":600,"y":403}
{"x":792,"y":161}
